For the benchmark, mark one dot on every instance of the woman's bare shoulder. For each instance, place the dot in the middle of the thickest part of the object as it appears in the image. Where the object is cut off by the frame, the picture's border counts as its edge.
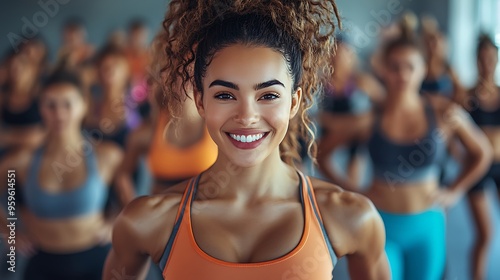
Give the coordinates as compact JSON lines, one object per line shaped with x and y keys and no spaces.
{"x":332,"y":196}
{"x":148,"y":221}
{"x":350,"y":219}
{"x":18,"y":161}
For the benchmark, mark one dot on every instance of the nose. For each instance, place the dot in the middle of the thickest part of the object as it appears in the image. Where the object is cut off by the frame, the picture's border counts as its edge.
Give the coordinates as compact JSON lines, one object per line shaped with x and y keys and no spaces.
{"x":404,"y":74}
{"x":59,"y":112}
{"x":247,"y":113}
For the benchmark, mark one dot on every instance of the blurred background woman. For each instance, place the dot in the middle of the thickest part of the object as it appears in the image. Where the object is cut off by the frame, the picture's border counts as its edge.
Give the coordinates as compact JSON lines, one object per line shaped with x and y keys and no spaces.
{"x":483,"y":103}
{"x":406,"y":145}
{"x":345,"y":115}
{"x":62,"y":190}
{"x":440,"y":78}
{"x":20,"y":120}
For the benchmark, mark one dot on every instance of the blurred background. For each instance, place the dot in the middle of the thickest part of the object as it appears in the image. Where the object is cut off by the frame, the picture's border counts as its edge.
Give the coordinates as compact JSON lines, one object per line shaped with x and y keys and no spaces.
{"x":460,"y":20}
{"x":112,"y":22}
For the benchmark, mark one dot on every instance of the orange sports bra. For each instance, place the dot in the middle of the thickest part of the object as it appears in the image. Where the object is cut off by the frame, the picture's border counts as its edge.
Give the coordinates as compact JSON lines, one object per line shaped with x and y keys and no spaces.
{"x":313,"y":258}
{"x":169,"y":163}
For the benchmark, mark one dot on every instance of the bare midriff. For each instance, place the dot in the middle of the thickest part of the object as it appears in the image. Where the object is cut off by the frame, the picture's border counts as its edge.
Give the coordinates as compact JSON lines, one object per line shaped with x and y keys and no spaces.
{"x":407,"y":198}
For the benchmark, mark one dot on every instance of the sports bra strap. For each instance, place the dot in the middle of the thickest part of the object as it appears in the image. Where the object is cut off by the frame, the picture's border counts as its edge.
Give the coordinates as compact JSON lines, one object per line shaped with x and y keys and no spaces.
{"x":177,"y":224}
{"x":317,"y":213}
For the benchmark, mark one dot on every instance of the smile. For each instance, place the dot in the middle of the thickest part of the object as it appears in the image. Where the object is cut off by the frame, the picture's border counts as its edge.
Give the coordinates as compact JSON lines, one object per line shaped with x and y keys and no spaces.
{"x":247,"y":138}
{"x":247,"y":141}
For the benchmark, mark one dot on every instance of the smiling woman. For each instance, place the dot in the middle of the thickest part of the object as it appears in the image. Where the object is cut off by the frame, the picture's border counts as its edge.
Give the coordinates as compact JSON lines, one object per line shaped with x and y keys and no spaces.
{"x":252,"y":103}
{"x":255,"y":72}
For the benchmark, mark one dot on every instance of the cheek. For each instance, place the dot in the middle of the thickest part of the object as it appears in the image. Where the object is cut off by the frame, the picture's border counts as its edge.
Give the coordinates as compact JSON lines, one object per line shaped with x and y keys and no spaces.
{"x":216,"y":118}
{"x":493,"y":62}
{"x":419,"y":74}
{"x":46,"y":112}
{"x":278,"y":117}
{"x":391,"y":75}
{"x":415,"y":74}
{"x":78,"y":112}
{"x":121,"y":71}
{"x":217,"y":114}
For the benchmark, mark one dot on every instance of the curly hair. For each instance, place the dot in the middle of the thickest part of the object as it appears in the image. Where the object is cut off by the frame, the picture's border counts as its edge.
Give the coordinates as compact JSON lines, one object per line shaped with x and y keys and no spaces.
{"x":195,"y":30}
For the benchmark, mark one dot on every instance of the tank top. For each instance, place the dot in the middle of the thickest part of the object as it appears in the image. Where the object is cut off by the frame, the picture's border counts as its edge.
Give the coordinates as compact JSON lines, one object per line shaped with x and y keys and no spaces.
{"x":313,"y":258}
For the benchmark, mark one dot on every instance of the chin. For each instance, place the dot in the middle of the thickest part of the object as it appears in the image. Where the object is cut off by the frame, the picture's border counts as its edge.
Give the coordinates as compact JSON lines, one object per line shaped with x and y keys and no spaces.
{"x":59,"y":129}
{"x":246,"y":162}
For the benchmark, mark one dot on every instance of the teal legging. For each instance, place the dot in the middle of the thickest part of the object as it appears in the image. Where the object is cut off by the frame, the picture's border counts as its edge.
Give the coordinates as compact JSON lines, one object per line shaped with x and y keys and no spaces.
{"x":416,"y":244}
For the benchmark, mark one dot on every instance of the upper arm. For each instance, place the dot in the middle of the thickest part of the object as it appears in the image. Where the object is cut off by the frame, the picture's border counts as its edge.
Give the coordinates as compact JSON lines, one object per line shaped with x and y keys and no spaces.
{"x":464,"y":129}
{"x":136,"y":145}
{"x":17,"y":161}
{"x":128,"y":256}
{"x":459,"y":92}
{"x":369,"y":260}
{"x":478,"y":150}
{"x":110,"y":158}
{"x":142,"y":231}
{"x":355,"y":230}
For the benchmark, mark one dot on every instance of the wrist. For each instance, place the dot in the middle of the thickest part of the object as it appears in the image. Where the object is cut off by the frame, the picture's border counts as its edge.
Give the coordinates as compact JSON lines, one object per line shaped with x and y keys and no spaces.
{"x":457,"y":188}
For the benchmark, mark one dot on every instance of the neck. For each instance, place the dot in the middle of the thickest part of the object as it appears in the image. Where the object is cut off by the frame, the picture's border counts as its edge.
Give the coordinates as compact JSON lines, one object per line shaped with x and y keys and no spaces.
{"x":271,"y":178}
{"x":402,"y":100}
{"x":21,"y":89}
{"x":111,"y":92}
{"x":435,"y":61}
{"x":435,"y":57}
{"x":70,"y":139}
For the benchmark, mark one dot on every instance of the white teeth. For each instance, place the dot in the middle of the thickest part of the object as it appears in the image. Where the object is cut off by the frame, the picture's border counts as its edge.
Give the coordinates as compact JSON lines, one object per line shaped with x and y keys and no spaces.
{"x":247,"y":138}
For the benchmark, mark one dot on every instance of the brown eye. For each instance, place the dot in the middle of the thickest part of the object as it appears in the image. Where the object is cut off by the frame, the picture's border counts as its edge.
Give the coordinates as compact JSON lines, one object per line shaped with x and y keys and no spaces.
{"x":393,"y":67}
{"x":67,"y":105}
{"x":51,"y":105}
{"x":224,"y":96}
{"x":270,"y":96}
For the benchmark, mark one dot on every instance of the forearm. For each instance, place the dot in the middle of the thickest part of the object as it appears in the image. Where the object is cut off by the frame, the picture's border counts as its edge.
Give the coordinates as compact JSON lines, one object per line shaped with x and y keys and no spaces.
{"x":475,"y":166}
{"x":327,"y":147}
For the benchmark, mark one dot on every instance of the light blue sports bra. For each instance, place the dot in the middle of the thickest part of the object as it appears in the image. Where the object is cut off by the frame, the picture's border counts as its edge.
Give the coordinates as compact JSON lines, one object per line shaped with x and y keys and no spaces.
{"x":86,"y":199}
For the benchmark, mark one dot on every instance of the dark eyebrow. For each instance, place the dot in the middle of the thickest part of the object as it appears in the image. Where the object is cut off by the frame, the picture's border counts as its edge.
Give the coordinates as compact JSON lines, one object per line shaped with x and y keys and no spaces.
{"x":268,"y":84}
{"x":256,"y":87}
{"x":224,"y":84}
